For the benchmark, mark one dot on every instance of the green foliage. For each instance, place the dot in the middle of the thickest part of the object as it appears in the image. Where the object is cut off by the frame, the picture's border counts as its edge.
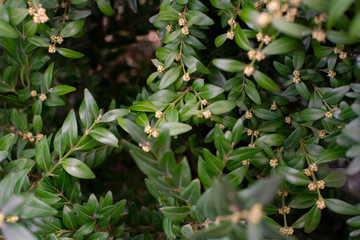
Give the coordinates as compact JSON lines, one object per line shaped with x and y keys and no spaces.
{"x":226,"y":142}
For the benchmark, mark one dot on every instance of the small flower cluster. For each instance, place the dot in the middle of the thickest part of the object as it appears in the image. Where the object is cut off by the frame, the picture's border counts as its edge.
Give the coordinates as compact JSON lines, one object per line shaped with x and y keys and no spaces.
{"x":207,"y":114}
{"x":56,"y":39}
{"x":322,"y":134}
{"x":258,"y":55}
{"x":250,"y":132}
{"x":320,"y":203}
{"x":27,"y":136}
{"x":42,"y":96}
{"x":319,"y":184}
{"x":146,"y":147}
{"x":245,"y":162}
{"x":30,"y":137}
{"x":275,"y":10}
{"x":169,"y":28}
{"x":63,"y":4}
{"x":149,"y":130}
{"x":232,"y":23}
{"x":249,"y":70}
{"x":274,"y":163}
{"x":160,"y":69}
{"x":282,"y":192}
{"x":158,"y":114}
{"x":273,"y":106}
{"x":39,"y":16}
{"x":263,"y":38}
{"x":230,"y":35}
{"x":321,"y":18}
{"x":329,"y":114}
{"x":186,"y":77}
{"x":319,"y":35}
{"x":283,"y":210}
{"x":286,"y":230}
{"x":288,"y":120}
{"x":248,"y":115}
{"x":331,"y":74}
{"x":296,"y":78}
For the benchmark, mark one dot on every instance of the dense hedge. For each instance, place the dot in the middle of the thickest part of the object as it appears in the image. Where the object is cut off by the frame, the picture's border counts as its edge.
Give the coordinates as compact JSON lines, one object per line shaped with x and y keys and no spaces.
{"x":248,"y":127}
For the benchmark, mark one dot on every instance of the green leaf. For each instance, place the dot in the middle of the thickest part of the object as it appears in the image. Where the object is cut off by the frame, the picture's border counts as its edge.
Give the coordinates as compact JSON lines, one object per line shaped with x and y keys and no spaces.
{"x":85,"y":229}
{"x":320,"y":5}
{"x":354,"y":222}
{"x":229,"y":65}
{"x":78,"y":1}
{"x":209,"y":91}
{"x":293,"y":140}
{"x":213,"y":163}
{"x":220,"y":40}
{"x":266,"y":114}
{"x":30,"y":28}
{"x":335,"y":179}
{"x":37,"y":123}
{"x":337,"y":9}
{"x":302,"y":90}
{"x":176,"y":128}
{"x":170,"y":77}
{"x":222,"y":106}
{"x":292,"y":175}
{"x":15,"y":231}
{"x":49,"y":3}
{"x":341,"y":207}
{"x":6,"y":30}
{"x":289,"y":28}
{"x":252,"y":93}
{"x":265,"y":82}
{"x":222,"y":4}
{"x":143,"y":106}
{"x":42,"y":155}
{"x":69,"y":53}
{"x":201,"y":18}
{"x":70,"y":129}
{"x":237,"y":176}
{"x":298,"y":59}
{"x":241,"y":39}
{"x":114,"y":114}
{"x":330,"y":154}
{"x":69,"y":219}
{"x":281,"y":46}
{"x":72,"y":28}
{"x":39,"y":41}
{"x":237,"y":132}
{"x":48,"y":76}
{"x":243,"y":153}
{"x":104,"y":136}
{"x":312,"y":219}
{"x":77,"y":168}
{"x":62,"y":89}
{"x":175,"y":213}
{"x":91,"y":105}
{"x":220,"y":230}
{"x":192,"y":192}
{"x":17,"y":15}
{"x":105,"y":7}
{"x":334,"y":95}
{"x":312,"y":114}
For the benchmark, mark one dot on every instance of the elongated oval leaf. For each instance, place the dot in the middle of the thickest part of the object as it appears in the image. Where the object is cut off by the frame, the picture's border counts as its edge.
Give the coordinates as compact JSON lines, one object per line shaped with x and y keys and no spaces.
{"x":104,"y":136}
{"x":77,"y":168}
